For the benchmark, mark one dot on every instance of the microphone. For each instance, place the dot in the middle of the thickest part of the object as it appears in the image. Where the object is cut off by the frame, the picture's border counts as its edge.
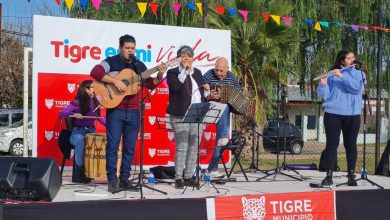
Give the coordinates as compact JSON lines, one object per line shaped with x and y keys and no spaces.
{"x":358,"y":62}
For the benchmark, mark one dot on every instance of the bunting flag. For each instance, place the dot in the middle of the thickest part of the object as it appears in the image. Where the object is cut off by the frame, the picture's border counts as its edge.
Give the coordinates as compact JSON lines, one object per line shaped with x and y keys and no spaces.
{"x":355,"y":27}
{"x":142,"y":7}
{"x":176,"y":7}
{"x":244,"y":14}
{"x":317,"y":26}
{"x":96,"y":4}
{"x":324,"y":23}
{"x":220,"y":9}
{"x":69,"y":4}
{"x":153,"y":6}
{"x":191,"y":5}
{"x":232,"y":11}
{"x":337,"y":23}
{"x":131,"y":6}
{"x":276,"y":18}
{"x":287,"y":20}
{"x":200,"y":8}
{"x":265,"y":16}
{"x":308,"y":21}
{"x":83,"y":4}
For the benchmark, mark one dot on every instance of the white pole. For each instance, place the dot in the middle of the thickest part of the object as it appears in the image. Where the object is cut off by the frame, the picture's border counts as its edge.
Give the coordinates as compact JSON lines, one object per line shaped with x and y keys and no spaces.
{"x":27,"y":50}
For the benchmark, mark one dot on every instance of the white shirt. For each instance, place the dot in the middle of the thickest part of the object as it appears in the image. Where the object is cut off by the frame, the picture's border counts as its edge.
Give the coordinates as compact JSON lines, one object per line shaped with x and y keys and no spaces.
{"x":195,"y":97}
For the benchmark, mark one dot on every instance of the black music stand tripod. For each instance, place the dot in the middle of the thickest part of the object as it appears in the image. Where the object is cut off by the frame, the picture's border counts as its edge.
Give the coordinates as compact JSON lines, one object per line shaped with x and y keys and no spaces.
{"x":202,"y":113}
{"x":278,"y":168}
{"x":366,"y":102}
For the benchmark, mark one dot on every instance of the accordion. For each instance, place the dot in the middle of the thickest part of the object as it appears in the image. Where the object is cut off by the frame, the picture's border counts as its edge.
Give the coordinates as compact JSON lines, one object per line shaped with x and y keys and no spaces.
{"x":238,"y":103}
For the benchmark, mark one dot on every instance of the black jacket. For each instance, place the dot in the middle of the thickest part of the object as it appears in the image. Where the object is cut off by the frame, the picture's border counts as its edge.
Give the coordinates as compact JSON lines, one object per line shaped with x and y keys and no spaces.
{"x":179,"y":94}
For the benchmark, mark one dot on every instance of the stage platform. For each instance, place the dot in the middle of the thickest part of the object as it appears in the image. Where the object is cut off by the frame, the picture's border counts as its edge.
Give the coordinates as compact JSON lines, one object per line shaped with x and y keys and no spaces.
{"x":365,"y":200}
{"x":272,"y":184}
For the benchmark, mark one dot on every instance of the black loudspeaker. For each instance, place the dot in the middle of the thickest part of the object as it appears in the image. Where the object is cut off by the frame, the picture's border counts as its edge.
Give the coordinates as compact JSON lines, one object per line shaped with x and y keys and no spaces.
{"x":25,"y":178}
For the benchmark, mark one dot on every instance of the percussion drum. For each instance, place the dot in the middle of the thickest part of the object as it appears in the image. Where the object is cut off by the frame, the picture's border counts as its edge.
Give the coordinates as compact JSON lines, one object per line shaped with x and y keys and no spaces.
{"x":95,"y":157}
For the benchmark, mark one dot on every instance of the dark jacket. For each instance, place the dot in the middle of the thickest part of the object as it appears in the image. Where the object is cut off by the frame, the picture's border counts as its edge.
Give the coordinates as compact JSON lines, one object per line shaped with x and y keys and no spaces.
{"x":179,"y":94}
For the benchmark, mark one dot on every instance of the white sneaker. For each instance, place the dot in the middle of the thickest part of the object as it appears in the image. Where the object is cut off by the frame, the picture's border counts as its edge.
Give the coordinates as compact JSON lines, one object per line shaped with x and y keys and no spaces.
{"x":216,"y":175}
{"x":222,"y":142}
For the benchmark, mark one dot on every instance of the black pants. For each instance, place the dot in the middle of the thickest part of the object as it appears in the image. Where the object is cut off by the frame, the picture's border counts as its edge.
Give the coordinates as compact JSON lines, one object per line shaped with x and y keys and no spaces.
{"x":334,"y":124}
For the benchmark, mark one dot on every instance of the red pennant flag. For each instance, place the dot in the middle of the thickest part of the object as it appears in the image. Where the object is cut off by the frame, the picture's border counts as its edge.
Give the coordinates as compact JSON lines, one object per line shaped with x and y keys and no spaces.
{"x":153,"y":6}
{"x":58,"y":2}
{"x":220,"y":9}
{"x":265,"y":16}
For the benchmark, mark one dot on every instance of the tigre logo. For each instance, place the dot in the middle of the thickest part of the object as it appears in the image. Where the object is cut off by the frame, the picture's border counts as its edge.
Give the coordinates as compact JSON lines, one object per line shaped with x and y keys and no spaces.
{"x":254,"y":208}
{"x":171,"y":135}
{"x":48,"y":135}
{"x":152,"y":119}
{"x":49,"y":103}
{"x":207,"y":135}
{"x":71,"y":87}
{"x":152,"y":152}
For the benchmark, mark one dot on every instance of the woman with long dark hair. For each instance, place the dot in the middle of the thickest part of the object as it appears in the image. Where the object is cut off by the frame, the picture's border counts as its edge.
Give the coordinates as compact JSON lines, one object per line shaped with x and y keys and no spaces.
{"x":341,"y":91}
{"x":83,"y":108}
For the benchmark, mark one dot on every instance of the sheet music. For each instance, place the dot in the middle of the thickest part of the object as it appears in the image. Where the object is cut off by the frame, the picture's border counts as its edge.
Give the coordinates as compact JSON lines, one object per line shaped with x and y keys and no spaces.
{"x":207,"y":113}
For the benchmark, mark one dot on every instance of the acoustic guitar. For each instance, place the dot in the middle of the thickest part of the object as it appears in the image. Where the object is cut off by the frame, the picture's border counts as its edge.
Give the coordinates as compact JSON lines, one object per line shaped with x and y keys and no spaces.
{"x":110,"y":97}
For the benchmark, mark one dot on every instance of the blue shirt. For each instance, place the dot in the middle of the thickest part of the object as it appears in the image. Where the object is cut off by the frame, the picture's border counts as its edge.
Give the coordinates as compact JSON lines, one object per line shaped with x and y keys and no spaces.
{"x":343,"y":96}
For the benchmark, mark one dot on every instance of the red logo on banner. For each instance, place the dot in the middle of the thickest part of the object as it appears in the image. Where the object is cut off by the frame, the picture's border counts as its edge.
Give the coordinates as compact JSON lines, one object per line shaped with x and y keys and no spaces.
{"x":302,"y":206}
{"x":71,"y":87}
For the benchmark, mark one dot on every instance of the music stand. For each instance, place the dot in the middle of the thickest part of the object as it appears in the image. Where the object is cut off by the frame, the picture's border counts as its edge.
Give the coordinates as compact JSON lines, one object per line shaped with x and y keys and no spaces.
{"x":203,"y":113}
{"x":277,"y":169}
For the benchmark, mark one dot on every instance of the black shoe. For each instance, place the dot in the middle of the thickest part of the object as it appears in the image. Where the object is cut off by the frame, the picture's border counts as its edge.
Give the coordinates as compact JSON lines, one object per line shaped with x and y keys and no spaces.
{"x":327,"y":182}
{"x":78,"y":175}
{"x":126,"y":185}
{"x":179,"y":184}
{"x":328,"y":179}
{"x":191,"y":182}
{"x":113,"y":186}
{"x":351,"y":178}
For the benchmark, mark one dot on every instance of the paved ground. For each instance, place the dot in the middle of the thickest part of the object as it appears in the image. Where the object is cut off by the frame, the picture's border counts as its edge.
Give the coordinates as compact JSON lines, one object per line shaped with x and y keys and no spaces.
{"x":273,"y":184}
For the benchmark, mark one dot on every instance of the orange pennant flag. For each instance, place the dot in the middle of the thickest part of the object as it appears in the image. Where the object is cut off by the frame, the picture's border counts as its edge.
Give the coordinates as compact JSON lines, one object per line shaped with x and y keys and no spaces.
{"x":142,"y":7}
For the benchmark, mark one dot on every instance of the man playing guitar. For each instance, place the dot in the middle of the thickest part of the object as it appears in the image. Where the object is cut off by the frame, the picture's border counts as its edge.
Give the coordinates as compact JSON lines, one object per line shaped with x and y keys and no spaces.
{"x":123,"y":119}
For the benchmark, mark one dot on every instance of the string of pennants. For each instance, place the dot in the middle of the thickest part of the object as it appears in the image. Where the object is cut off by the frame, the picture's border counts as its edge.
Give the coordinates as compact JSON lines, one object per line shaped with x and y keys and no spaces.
{"x":194,"y":6}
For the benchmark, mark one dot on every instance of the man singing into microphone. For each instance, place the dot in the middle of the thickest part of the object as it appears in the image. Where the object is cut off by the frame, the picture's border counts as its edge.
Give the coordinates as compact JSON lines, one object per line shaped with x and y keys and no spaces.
{"x":341,"y":89}
{"x":123,"y":120}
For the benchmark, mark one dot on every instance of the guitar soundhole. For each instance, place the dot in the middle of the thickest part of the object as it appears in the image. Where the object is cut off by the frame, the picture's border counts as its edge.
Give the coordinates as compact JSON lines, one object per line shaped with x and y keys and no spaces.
{"x":126,"y":82}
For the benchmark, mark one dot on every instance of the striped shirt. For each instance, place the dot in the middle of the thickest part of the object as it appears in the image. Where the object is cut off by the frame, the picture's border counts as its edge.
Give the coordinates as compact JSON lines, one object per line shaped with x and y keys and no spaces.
{"x":210,"y":78}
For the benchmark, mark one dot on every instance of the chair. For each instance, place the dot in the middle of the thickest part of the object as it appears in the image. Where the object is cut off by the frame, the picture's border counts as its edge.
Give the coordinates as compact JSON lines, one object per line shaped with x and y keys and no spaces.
{"x":64,"y":140}
{"x":235,"y":146}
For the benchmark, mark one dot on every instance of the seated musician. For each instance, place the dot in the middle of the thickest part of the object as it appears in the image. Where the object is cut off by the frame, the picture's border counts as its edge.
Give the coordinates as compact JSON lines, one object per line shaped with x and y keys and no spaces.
{"x":219,"y":75}
{"x":83,"y":108}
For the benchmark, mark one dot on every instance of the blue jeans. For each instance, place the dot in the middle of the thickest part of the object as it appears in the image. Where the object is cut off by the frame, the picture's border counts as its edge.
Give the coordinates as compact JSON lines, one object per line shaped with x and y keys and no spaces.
{"x":222,"y":132}
{"x":121,"y":122}
{"x":77,"y":138}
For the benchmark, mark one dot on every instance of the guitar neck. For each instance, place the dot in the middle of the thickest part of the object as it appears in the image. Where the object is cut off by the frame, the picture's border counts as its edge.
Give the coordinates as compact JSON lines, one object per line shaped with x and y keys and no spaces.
{"x":149,"y":72}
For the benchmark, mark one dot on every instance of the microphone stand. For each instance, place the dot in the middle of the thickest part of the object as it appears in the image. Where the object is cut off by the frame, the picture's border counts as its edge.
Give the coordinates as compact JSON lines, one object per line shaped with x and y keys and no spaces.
{"x":366,"y":102}
{"x":141,"y":182}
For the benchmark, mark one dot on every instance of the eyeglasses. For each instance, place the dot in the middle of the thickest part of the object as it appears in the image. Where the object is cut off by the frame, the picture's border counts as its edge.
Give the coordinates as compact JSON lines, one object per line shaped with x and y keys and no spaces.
{"x":89,"y":87}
